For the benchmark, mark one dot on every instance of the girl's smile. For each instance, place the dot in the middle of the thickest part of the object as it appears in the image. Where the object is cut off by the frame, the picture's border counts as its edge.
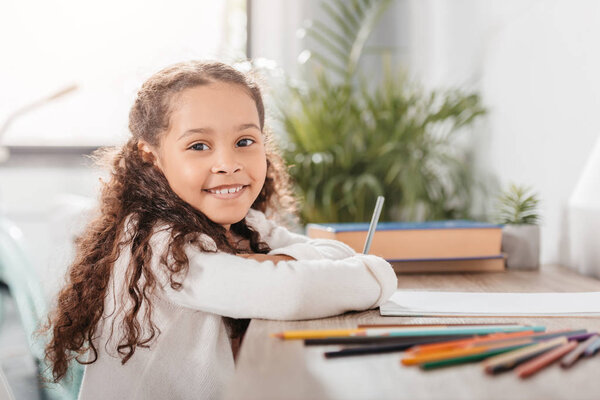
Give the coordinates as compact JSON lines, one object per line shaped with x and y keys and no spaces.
{"x":227,"y":191}
{"x":213,"y":154}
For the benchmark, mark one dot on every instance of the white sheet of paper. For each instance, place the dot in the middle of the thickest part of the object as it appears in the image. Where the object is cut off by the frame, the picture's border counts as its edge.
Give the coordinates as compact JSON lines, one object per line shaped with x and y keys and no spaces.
{"x":433,"y":303}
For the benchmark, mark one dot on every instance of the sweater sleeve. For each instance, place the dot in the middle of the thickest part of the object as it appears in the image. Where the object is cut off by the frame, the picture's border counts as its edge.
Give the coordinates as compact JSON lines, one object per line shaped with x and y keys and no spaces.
{"x":237,"y":287}
{"x":300,"y":247}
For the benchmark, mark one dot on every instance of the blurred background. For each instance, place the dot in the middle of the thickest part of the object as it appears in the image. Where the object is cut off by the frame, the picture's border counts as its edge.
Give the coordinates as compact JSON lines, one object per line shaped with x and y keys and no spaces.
{"x":439,"y":105}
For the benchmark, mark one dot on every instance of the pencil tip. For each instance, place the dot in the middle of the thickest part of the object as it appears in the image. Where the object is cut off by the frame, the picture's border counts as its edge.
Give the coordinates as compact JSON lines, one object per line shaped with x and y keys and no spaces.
{"x":277,"y":335}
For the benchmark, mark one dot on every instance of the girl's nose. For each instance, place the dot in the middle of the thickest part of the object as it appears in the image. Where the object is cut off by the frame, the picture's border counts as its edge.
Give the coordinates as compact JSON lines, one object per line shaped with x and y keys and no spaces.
{"x":225,"y":163}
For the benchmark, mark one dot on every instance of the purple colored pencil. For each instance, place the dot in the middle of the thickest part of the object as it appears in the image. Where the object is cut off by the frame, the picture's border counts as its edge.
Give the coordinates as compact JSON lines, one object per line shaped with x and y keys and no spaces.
{"x":581,"y":336}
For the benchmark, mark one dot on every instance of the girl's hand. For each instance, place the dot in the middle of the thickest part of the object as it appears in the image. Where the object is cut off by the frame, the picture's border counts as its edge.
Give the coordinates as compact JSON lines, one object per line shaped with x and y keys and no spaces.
{"x":266,"y":257}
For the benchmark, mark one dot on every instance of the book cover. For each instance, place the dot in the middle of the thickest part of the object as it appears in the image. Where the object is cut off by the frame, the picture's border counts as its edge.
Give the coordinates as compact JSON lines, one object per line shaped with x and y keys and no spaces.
{"x":472,"y":264}
{"x":418,"y":240}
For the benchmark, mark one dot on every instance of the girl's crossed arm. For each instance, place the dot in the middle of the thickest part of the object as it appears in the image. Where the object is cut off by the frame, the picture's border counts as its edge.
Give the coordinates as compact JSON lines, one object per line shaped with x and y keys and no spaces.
{"x":237,"y":287}
{"x":300,"y":278}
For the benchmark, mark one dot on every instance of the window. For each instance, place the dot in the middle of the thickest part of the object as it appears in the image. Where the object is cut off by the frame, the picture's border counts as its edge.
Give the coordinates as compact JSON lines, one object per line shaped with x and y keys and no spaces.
{"x":106,"y":49}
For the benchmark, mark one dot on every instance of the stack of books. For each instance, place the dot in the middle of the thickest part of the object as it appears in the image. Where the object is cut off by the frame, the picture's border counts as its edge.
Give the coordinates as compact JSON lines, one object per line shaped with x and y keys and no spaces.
{"x":417,"y":247}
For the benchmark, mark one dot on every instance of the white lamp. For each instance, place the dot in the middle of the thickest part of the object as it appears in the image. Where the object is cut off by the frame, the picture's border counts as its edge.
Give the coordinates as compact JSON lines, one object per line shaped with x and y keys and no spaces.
{"x":4,"y":153}
{"x":584,"y":218}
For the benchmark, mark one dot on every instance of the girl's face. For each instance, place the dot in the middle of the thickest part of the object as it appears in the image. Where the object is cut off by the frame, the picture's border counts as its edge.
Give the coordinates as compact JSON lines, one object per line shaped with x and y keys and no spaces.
{"x":213,"y":154}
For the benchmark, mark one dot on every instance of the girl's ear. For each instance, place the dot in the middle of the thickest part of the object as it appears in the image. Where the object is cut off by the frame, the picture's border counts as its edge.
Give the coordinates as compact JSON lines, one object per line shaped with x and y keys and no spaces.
{"x":148,"y":153}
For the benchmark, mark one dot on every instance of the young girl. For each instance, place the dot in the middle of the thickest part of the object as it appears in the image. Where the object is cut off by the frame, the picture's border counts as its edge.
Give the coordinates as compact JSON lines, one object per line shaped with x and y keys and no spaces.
{"x":183,"y":251}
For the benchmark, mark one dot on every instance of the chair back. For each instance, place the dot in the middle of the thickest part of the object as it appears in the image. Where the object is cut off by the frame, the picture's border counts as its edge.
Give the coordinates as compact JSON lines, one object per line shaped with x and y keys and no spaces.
{"x":22,"y":280}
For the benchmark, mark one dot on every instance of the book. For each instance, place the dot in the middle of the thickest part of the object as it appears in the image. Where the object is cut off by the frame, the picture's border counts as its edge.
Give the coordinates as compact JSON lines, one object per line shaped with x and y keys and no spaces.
{"x":418,"y":240}
{"x":408,"y":303}
{"x":474,"y":264}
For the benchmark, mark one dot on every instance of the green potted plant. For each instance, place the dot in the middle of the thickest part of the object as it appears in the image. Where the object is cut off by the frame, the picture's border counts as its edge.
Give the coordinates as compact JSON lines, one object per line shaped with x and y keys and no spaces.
{"x":350,"y":138}
{"x":519,"y":212}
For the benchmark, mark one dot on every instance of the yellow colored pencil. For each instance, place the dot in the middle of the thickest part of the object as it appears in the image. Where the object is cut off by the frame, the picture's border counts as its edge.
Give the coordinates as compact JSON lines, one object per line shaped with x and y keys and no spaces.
{"x":420,"y":331}
{"x":315,"y":334}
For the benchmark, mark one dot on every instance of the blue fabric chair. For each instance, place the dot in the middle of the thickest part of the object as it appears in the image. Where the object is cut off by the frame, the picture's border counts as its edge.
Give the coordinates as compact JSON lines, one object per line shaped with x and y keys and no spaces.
{"x":18,"y":274}
{"x":5,"y":392}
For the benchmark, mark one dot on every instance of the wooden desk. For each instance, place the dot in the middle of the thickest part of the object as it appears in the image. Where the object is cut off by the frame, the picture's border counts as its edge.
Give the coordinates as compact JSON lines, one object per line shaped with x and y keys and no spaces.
{"x":270,"y":368}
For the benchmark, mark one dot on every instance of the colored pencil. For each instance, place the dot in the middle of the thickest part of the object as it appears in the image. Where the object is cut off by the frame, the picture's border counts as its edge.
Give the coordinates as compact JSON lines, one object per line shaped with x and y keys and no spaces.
{"x":413,"y":328}
{"x":448,"y":345}
{"x":366,"y":350}
{"x":494,"y":338}
{"x":582,"y":336}
{"x":460,"y":352}
{"x":537,"y":364}
{"x":511,"y":359}
{"x":314,"y":334}
{"x":592,"y":348}
{"x":536,"y":345}
{"x":470,"y":358}
{"x":468,"y":330}
{"x":571,"y":358}
{"x":407,"y":331}
{"x":370,"y":326}
{"x":383,"y":340}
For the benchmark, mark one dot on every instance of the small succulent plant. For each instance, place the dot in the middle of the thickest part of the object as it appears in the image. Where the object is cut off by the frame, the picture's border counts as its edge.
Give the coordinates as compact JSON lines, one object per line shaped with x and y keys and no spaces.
{"x":518,"y":205}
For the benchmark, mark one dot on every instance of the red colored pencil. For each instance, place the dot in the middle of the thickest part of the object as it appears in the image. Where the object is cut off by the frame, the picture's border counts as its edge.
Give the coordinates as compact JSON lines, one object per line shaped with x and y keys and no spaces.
{"x":537,"y":364}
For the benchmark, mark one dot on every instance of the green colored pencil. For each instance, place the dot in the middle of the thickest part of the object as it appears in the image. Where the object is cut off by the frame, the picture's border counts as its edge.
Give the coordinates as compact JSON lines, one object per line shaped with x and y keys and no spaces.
{"x":470,"y":358}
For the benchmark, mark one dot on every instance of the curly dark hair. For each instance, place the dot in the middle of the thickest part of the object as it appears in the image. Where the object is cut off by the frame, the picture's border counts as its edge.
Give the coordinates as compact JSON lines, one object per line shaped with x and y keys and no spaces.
{"x":139,"y":193}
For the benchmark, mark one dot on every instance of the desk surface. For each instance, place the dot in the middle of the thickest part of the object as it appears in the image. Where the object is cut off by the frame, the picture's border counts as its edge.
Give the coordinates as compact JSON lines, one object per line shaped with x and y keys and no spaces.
{"x":270,"y":368}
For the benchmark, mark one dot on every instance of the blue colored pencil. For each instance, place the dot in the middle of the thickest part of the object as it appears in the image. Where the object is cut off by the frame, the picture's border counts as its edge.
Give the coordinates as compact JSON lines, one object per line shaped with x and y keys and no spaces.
{"x":474,"y":330}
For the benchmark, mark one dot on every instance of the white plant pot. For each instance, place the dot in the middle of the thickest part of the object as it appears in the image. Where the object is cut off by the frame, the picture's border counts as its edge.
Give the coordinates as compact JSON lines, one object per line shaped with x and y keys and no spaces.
{"x":521,"y":243}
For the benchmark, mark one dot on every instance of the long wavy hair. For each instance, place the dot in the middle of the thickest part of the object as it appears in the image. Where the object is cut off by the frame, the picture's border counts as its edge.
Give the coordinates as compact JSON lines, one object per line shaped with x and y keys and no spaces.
{"x":138,"y":192}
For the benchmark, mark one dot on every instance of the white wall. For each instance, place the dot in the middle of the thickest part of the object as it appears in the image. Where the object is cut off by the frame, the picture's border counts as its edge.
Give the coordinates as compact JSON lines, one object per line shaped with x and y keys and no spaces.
{"x":536,"y":65}
{"x":276,"y":24}
{"x":273,"y":30}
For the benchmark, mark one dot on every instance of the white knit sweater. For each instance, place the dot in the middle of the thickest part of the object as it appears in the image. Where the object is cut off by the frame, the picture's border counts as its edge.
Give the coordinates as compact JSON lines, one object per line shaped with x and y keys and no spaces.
{"x":192,"y":357}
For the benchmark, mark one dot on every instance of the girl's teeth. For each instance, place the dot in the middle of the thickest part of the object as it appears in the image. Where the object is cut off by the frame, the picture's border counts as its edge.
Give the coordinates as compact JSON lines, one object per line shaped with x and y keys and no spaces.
{"x":226,"y":191}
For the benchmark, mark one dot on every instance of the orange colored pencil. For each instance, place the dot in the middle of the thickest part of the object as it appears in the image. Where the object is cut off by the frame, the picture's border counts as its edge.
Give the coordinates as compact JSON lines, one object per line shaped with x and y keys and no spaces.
{"x":459,"y":352}
{"x":537,"y":364}
{"x":315,"y":334}
{"x":461,"y":343}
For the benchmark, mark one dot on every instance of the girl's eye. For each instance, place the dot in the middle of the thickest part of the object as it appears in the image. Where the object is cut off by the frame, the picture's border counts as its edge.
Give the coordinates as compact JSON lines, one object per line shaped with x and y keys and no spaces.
{"x":245,"y":142}
{"x":199,"y":146}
